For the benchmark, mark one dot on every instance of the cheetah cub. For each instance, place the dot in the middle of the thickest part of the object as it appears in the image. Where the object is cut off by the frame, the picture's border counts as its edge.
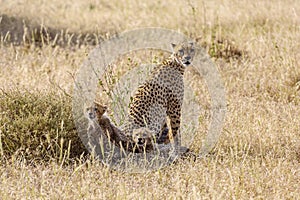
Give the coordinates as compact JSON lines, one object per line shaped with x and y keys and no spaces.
{"x":92,"y":112}
{"x":159,"y":97}
{"x":95,"y":113}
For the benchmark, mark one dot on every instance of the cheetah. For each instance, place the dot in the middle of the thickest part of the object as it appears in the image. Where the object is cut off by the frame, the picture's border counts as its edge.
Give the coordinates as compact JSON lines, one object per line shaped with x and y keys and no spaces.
{"x":159,"y":97}
{"x":97,"y":111}
{"x":116,"y":136}
{"x":141,"y":141}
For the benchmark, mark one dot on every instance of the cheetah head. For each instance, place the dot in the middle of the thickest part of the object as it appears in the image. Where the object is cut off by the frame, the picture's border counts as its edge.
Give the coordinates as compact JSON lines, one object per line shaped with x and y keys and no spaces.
{"x":142,"y":136}
{"x":94,"y":110}
{"x":184,"y":53}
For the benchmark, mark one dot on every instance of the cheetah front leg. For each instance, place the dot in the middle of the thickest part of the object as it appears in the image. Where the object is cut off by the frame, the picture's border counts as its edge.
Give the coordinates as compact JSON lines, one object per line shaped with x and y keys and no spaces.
{"x":174,"y":115}
{"x":164,"y":135}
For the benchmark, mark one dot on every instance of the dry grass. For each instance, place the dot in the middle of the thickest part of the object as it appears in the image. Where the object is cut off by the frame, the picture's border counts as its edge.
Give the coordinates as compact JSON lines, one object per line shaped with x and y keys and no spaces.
{"x":256,"y":48}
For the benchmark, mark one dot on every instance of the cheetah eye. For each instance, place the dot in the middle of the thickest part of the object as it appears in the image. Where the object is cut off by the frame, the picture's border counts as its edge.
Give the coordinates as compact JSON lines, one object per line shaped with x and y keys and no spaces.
{"x":181,"y":52}
{"x":96,"y":109}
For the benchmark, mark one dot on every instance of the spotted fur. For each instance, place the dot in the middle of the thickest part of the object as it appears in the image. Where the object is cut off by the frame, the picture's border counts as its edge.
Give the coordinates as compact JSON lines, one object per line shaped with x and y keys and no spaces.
{"x":160,"y":96}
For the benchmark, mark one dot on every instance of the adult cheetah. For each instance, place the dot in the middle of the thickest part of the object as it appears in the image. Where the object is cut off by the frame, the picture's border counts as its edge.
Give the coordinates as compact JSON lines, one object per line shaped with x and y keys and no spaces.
{"x":160,"y":96}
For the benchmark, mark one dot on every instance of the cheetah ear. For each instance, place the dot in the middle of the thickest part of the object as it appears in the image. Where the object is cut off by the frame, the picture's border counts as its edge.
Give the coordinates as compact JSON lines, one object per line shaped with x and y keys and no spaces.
{"x":191,"y":43}
{"x":104,"y":107}
{"x":173,"y":45}
{"x":97,"y":103}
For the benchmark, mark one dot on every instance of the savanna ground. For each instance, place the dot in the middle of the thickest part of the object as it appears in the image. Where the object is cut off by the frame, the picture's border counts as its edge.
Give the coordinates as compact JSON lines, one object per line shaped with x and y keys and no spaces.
{"x":254,"y":44}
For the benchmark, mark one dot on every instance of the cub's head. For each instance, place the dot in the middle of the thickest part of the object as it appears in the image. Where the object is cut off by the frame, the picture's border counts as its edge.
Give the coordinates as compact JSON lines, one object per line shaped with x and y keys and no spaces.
{"x":94,"y":110}
{"x":184,"y":53}
{"x":142,"y":136}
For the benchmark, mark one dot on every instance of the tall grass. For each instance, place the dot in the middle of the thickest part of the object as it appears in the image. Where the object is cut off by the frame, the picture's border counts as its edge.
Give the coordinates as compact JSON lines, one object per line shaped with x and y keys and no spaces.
{"x":37,"y":125}
{"x":255,"y":46}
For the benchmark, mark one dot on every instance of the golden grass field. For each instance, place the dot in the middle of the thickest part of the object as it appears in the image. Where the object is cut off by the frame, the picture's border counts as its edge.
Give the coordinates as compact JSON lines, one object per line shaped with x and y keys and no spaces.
{"x":255,"y":46}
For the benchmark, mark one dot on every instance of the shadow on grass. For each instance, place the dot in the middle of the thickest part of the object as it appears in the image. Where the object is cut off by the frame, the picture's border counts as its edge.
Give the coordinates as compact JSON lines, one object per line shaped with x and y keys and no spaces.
{"x":21,"y":31}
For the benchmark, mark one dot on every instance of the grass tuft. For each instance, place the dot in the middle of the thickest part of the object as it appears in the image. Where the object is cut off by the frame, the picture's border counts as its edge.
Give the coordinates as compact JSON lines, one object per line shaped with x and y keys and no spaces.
{"x":38,"y":125}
